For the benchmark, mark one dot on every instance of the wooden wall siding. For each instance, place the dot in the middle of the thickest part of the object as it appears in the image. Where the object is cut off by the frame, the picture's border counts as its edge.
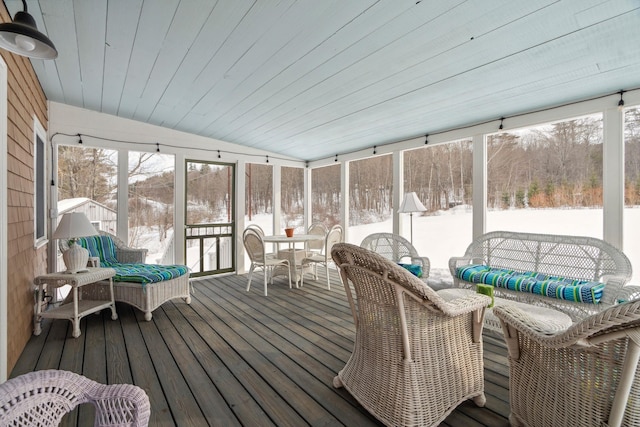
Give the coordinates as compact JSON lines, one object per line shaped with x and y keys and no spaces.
{"x":25,"y":100}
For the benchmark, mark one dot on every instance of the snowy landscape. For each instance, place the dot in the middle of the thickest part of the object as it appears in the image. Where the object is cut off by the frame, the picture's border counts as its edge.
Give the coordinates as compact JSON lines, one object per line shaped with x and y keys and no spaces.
{"x":448,"y":233}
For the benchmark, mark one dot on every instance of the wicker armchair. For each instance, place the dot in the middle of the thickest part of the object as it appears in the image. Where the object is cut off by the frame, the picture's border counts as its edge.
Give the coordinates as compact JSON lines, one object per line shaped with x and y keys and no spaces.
{"x":416,"y":356}
{"x":584,"y":376}
{"x":397,"y":249}
{"x":42,"y":398}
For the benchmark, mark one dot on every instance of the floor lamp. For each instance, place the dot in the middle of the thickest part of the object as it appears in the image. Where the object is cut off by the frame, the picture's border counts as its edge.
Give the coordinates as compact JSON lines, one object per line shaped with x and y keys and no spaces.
{"x":409,"y":205}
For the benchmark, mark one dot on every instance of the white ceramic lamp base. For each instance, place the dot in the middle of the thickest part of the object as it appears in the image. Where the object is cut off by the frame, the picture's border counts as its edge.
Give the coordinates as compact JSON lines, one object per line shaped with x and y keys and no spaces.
{"x":75,"y":258}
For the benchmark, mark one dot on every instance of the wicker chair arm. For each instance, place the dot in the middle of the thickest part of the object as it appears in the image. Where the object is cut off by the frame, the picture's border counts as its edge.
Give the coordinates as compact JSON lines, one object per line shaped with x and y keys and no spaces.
{"x":466,"y":304}
{"x":425,"y":263}
{"x":595,"y":327}
{"x":125,"y":404}
{"x":131,"y":256}
{"x":458,"y":261}
{"x":626,"y":293}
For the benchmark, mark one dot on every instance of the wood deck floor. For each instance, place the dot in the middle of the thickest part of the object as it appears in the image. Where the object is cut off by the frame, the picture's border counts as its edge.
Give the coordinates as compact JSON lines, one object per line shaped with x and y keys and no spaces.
{"x":234,"y":358}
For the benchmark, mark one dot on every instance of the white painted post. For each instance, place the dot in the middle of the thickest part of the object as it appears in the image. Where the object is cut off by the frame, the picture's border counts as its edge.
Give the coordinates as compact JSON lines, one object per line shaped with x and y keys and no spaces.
{"x":180,"y":200}
{"x":613,"y":176}
{"x":122,"y":221}
{"x":344,"y":194}
{"x":276,"y":203}
{"x":398,"y":190}
{"x":241,"y":182}
{"x":479,"y":185}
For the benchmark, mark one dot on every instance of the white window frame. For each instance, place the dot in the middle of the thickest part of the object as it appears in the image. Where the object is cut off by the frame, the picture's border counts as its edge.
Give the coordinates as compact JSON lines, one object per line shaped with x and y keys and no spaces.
{"x":39,"y":175}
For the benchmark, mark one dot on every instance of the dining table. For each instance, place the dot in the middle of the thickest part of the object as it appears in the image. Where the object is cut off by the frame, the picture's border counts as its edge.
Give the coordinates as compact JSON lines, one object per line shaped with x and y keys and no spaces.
{"x":294,"y":254}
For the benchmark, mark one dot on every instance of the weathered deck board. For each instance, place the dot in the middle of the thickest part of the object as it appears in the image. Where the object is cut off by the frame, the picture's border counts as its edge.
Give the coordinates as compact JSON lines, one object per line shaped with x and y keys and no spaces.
{"x":238,"y":358}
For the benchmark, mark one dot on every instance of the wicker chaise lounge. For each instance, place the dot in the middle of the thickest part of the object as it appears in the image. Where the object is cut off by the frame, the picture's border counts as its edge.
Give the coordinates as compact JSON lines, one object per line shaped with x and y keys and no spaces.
{"x":168,"y":282}
{"x":416,"y":356}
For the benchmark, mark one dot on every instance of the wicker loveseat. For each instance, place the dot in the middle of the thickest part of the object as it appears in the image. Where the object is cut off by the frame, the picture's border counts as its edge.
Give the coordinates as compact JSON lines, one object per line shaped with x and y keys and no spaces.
{"x":575,"y":275}
{"x":144,"y":286}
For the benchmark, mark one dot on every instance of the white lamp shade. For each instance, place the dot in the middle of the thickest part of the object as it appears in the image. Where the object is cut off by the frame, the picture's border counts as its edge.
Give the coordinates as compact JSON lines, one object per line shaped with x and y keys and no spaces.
{"x":71,"y":226}
{"x":74,"y":225}
{"x":411,"y":203}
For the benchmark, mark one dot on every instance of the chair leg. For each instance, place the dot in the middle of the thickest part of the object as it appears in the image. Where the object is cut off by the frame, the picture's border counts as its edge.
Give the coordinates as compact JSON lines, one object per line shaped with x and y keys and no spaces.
{"x":250,"y":274}
{"x":326,"y":267}
{"x":266,"y":271}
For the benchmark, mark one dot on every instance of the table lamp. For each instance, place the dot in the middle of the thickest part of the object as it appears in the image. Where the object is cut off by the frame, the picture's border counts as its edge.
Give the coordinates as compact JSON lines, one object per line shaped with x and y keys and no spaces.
{"x":409,"y":205}
{"x":71,"y":226}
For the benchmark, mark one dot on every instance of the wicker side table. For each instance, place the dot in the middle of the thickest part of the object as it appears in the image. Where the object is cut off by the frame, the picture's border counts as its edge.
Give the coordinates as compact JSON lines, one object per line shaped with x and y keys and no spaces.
{"x":78,"y":308}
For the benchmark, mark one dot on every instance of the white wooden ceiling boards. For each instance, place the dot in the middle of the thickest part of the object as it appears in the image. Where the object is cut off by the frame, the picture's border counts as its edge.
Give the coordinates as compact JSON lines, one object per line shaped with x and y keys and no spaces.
{"x":312,"y":78}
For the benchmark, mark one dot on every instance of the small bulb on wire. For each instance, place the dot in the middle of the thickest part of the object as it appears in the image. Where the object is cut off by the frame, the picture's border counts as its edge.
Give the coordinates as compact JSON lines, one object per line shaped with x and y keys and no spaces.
{"x":501,"y":121}
{"x":621,"y":102}
{"x":79,"y":139}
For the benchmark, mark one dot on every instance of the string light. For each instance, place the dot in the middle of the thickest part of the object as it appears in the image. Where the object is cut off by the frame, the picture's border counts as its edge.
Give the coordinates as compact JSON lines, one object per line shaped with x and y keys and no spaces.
{"x":621,"y":102}
{"x":426,"y":139}
{"x":157,"y":147}
{"x":501,"y":121}
{"x":267,"y":159}
{"x":374,"y":149}
{"x":79,"y":139}
{"x":336,"y":159}
{"x":219,"y":156}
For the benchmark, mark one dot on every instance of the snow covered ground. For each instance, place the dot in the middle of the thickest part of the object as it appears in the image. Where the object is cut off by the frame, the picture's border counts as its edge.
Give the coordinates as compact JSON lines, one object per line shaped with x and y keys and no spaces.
{"x":448,"y":233}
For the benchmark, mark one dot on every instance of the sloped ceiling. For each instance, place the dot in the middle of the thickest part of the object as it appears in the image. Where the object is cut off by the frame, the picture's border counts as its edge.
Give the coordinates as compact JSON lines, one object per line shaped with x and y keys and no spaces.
{"x":311,"y":78}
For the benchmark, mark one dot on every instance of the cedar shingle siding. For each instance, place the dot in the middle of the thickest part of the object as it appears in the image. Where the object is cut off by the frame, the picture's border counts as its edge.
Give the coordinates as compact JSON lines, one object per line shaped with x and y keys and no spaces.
{"x":25,"y":99}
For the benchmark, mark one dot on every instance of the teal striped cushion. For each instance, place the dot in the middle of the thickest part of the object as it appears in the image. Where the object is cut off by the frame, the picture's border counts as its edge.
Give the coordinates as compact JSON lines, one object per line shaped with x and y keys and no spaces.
{"x":535,"y":283}
{"x":146,"y":273}
{"x":101,"y":247}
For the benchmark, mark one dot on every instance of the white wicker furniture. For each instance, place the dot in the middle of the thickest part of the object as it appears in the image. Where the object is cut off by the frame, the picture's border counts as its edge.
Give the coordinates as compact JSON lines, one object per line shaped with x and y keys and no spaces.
{"x":254,"y":245}
{"x":324,"y":257}
{"x":78,"y":307}
{"x":584,"y":376}
{"x":145,"y":298}
{"x":397,"y":249}
{"x":317,"y":246}
{"x":574,"y":257}
{"x":416,"y":356}
{"x":42,"y":398}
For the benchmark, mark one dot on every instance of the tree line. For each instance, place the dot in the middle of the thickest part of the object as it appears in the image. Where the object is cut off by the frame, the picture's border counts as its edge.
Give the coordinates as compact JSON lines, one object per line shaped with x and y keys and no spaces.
{"x":557,"y":165}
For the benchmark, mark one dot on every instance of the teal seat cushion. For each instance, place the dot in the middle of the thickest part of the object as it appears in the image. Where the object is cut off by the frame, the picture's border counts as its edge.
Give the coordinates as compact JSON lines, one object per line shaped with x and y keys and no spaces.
{"x":536,"y":283}
{"x":104,"y":248}
{"x":146,"y":273}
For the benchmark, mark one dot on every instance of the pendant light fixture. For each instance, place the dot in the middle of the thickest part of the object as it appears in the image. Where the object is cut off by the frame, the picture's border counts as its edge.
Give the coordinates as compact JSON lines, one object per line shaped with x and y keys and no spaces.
{"x":22,"y":37}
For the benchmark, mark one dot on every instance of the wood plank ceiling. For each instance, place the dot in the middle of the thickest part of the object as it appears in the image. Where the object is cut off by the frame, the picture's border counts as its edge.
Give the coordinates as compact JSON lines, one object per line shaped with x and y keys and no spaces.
{"x":310,"y":78}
